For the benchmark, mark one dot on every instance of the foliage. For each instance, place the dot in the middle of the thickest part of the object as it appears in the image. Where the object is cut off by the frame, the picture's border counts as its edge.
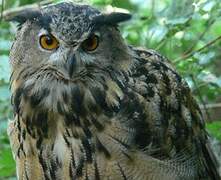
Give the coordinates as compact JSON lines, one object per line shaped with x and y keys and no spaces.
{"x":7,"y":164}
{"x":177,"y":29}
{"x":215,"y":129}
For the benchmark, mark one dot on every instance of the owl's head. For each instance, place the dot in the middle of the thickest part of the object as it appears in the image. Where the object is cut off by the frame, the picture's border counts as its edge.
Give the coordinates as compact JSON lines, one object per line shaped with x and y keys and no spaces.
{"x":67,"y":60}
{"x":69,"y":37}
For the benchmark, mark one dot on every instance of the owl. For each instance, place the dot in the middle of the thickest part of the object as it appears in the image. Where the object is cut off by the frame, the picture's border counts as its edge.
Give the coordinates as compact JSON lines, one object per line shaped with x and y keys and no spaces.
{"x":89,"y":106}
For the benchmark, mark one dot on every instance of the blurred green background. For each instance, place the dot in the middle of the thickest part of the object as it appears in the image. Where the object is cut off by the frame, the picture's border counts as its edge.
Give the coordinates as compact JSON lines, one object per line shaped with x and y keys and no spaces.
{"x":188,"y":32}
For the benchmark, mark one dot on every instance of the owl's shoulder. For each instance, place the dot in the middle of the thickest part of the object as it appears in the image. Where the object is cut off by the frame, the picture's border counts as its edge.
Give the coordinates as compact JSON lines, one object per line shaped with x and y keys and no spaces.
{"x":151,"y":57}
{"x":156,"y":71}
{"x":172,"y":115}
{"x":168,"y":103}
{"x":145,"y":53}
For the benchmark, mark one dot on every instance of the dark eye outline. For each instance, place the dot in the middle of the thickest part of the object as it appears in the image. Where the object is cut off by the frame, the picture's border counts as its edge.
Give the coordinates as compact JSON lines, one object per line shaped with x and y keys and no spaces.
{"x":88,"y":42}
{"x":51,"y":39}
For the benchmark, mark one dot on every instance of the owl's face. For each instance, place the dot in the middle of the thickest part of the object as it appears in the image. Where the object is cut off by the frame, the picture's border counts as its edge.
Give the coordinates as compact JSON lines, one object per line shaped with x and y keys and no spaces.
{"x":67,"y":60}
{"x":69,"y":38}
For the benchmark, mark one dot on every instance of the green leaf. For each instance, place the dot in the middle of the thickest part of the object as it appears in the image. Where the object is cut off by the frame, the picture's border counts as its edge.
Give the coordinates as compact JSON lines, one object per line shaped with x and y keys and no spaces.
{"x":4,"y":93}
{"x":101,"y":2}
{"x":209,"y":5}
{"x":215,"y":129}
{"x":219,"y":81}
{"x":7,"y":163}
{"x":205,"y":58}
{"x":4,"y":68}
{"x":11,"y":3}
{"x":157,"y":33}
{"x":123,"y":4}
{"x":177,"y":21}
{"x":23,"y":2}
{"x":5,"y":44}
{"x":3,"y":126}
{"x":178,"y":9}
{"x":208,"y":77}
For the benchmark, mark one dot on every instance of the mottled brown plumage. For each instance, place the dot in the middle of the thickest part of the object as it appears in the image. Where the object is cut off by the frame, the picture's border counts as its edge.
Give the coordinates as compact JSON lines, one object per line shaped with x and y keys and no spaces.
{"x":116,"y":112}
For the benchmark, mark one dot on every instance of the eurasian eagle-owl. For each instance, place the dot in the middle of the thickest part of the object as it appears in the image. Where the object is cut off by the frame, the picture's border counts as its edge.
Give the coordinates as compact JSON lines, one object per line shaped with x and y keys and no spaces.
{"x":88,"y":106}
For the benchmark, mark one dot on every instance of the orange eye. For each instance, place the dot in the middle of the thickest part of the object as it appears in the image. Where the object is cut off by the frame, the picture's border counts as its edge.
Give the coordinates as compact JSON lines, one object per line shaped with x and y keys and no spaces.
{"x":91,"y":43}
{"x":49,"y":42}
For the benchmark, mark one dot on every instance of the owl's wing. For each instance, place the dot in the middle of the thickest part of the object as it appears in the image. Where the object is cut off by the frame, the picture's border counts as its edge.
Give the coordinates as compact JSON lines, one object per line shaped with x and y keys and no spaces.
{"x":167,"y":117}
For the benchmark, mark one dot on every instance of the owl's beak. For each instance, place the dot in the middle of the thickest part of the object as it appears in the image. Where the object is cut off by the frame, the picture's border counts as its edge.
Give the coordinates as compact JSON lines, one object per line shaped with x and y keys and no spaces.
{"x":71,"y":65}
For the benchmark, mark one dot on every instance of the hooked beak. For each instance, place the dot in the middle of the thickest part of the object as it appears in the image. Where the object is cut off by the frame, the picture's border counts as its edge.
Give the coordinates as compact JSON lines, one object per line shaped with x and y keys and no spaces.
{"x":71,"y":65}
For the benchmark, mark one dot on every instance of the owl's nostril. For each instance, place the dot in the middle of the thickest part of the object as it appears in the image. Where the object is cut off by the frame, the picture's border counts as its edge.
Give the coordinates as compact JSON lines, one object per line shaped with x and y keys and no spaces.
{"x":71,"y":64}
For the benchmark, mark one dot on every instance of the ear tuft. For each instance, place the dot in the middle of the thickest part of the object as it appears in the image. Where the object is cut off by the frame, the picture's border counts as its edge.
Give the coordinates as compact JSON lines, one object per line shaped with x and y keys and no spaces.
{"x":23,"y":16}
{"x":112,"y":18}
{"x":31,"y":15}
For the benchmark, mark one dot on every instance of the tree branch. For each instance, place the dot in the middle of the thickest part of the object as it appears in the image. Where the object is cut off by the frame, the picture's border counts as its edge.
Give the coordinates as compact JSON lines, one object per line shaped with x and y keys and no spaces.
{"x":198,"y":50}
{"x":211,"y":106}
{"x":210,"y":22}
